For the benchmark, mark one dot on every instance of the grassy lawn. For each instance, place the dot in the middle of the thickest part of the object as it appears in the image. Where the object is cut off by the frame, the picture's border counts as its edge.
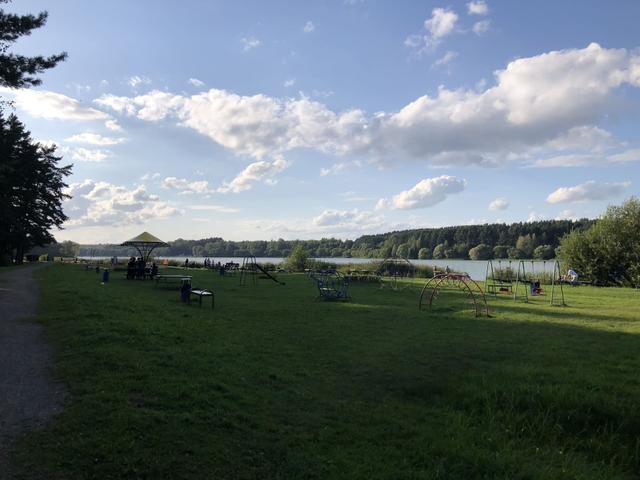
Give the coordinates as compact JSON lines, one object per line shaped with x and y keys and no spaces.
{"x":274,"y":384}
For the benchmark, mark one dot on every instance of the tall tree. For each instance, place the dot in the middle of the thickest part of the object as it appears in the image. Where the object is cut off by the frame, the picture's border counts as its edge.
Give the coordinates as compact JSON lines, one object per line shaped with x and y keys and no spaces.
{"x":31,"y":183}
{"x":31,"y":191}
{"x":18,"y":71}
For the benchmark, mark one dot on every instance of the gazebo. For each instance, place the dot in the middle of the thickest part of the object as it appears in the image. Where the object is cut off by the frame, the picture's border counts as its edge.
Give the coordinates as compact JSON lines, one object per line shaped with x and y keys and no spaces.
{"x":145,"y":243}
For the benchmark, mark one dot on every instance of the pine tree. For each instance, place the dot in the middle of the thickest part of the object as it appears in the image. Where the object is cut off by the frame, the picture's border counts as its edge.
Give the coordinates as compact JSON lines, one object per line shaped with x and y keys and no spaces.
{"x":31,"y":191}
{"x":18,"y":71}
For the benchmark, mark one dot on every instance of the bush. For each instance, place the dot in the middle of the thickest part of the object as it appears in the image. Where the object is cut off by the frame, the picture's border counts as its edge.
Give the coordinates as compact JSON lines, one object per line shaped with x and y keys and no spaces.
{"x":500,"y":251}
{"x":297,"y":259}
{"x":543,"y":252}
{"x":439,"y":251}
{"x":481,"y":252}
{"x":608,"y":252}
{"x":515,"y":254}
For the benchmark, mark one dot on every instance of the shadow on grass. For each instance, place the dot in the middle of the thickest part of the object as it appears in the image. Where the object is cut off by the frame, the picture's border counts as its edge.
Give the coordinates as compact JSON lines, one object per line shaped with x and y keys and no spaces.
{"x":273,"y":384}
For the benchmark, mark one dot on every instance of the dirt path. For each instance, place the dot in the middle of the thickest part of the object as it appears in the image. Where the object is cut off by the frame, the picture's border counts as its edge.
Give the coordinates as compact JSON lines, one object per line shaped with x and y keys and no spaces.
{"x":28,"y":395}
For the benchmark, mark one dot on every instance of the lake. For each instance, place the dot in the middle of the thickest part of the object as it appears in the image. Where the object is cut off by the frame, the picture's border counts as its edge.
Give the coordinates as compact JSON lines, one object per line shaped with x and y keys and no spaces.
{"x":475,"y":268}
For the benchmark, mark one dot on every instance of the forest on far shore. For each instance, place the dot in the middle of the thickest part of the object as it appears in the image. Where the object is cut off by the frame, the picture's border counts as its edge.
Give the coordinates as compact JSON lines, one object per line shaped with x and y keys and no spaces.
{"x":477,"y":242}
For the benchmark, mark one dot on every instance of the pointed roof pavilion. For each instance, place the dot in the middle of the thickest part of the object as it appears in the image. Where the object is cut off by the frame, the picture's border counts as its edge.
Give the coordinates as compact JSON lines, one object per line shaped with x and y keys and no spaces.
{"x":145,"y":243}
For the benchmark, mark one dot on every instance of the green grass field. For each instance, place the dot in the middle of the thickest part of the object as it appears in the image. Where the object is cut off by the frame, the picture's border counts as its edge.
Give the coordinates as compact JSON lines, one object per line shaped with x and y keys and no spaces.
{"x":274,"y":384}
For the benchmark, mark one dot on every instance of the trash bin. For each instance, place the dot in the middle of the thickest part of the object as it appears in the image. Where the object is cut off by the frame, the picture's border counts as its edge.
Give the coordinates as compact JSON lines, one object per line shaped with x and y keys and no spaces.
{"x":185,"y":291}
{"x":105,"y":276}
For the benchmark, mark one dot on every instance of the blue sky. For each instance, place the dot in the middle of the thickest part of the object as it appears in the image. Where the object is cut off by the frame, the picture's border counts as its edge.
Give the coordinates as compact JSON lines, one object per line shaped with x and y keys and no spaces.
{"x":266,"y":120}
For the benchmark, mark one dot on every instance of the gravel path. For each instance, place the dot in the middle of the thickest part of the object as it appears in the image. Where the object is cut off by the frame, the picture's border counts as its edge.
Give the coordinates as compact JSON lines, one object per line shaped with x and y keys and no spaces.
{"x":28,"y":395}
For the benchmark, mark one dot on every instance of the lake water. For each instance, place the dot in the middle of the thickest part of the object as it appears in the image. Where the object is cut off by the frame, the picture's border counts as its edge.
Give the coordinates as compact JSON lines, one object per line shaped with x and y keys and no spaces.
{"x":475,"y":268}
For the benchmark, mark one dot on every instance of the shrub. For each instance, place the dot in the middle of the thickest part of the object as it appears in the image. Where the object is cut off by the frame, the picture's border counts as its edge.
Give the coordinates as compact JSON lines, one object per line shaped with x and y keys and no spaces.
{"x":500,"y":251}
{"x":439,"y":251}
{"x":609,"y":251}
{"x":481,"y":252}
{"x":515,"y":253}
{"x":297,"y":259}
{"x":543,"y":252}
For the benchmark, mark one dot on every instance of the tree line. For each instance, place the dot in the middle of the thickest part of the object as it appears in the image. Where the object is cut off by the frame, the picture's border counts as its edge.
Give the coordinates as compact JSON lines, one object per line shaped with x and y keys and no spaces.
{"x":476,"y":242}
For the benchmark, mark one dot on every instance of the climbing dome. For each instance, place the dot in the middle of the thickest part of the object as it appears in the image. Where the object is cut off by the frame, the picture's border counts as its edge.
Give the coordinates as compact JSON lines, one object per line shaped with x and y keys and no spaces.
{"x":450,"y":290}
{"x":394,"y":269}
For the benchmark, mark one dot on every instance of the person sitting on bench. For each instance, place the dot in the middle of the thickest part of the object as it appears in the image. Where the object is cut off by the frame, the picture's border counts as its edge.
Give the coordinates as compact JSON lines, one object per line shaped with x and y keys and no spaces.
{"x":131,"y":268}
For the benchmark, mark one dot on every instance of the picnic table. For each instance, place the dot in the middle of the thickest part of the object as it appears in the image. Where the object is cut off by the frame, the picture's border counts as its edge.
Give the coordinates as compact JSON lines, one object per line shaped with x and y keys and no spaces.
{"x":172,"y":279}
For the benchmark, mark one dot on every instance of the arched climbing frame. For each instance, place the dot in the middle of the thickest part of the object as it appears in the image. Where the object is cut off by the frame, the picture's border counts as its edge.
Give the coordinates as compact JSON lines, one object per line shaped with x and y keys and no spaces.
{"x":393,"y":269}
{"x":462,"y":282}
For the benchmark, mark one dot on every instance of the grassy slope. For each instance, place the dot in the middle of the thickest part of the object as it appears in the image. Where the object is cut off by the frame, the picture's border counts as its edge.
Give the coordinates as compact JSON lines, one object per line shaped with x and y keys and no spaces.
{"x":273,"y":384}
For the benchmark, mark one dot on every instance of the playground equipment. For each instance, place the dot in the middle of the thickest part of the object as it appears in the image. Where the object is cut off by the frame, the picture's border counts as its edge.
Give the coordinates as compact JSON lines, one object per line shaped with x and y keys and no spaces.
{"x":249,"y":271}
{"x":555,"y":279}
{"x":497,"y":281}
{"x":459,"y":282}
{"x":524,"y":284}
{"x":521,"y":289}
{"x":331,"y":285}
{"x":394,"y":268}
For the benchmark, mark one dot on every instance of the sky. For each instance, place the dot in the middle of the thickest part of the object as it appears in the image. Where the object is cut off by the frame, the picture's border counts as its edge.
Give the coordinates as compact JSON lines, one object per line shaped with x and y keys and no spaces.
{"x":253,"y":120}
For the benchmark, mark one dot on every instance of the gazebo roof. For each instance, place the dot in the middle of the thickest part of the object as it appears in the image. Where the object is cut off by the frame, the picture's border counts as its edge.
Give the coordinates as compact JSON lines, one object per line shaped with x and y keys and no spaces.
{"x":145,"y":238}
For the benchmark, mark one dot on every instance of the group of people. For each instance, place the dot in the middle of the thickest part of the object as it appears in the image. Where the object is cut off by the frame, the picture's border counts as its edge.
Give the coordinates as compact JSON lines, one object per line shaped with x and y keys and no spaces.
{"x":138,"y":268}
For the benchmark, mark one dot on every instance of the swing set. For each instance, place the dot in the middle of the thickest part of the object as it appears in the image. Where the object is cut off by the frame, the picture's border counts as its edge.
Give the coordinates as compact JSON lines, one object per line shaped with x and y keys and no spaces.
{"x":502,"y":281}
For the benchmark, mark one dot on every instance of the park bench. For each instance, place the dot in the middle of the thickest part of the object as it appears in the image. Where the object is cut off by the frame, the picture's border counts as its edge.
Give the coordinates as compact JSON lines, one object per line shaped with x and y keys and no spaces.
{"x":200,"y":293}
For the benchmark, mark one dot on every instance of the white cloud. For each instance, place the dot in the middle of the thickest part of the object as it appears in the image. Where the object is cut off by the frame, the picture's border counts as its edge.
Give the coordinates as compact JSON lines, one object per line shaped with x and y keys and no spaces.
{"x":347,"y":217}
{"x":481,"y":27}
{"x":113,"y":125}
{"x":185,"y":187}
{"x":632,"y":155}
{"x":445,"y":60}
{"x":441,"y":24}
{"x":426,"y":193}
{"x":89,"y":155}
{"x":249,"y":43}
{"x":290,"y":82}
{"x":94,"y":139}
{"x":214,"y":208}
{"x":567,"y":215}
{"x":478,"y":7}
{"x":333,"y":170}
{"x":53,"y":106}
{"x":354,"y":197}
{"x":150,"y":176}
{"x":136,"y":80}
{"x":587,"y":191}
{"x":534,"y":101}
{"x":263,"y":171}
{"x":79,"y":88}
{"x":337,"y":168}
{"x":309,"y":27}
{"x":589,"y":159}
{"x":120,"y":104}
{"x":584,"y":137}
{"x":195,"y":82}
{"x":535,"y":217}
{"x":102,"y":203}
{"x":499,"y":203}
{"x":570,"y":160}
{"x":153,"y":106}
